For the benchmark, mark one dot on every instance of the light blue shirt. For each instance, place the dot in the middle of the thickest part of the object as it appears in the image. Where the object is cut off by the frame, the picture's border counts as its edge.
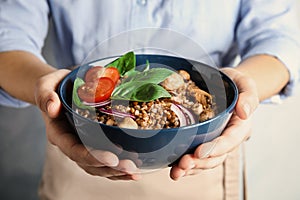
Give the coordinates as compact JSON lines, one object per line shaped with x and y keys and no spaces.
{"x":224,"y":29}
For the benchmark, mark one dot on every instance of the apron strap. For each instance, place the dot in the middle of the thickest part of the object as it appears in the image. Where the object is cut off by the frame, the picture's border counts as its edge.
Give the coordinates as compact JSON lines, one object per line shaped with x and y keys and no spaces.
{"x":245,"y":194}
{"x":235,"y":175}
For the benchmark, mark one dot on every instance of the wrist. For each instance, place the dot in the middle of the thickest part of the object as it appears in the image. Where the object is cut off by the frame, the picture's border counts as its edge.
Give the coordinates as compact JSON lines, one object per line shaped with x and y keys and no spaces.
{"x":269,"y":74}
{"x":19,"y":72}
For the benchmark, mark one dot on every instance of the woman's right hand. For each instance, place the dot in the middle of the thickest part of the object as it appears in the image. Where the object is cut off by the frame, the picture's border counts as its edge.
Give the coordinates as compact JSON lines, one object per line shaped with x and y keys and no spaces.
{"x":59,"y":133}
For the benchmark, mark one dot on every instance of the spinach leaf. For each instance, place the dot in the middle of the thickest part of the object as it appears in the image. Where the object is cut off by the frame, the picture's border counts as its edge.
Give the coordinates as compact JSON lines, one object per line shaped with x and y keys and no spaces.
{"x":130,"y":73}
{"x":77,"y":83}
{"x":134,"y":72}
{"x":143,"y":86}
{"x":125,"y":90}
{"x":154,"y":75}
{"x":149,"y":92}
{"x":124,"y":63}
{"x":139,"y":91}
{"x":147,"y":66}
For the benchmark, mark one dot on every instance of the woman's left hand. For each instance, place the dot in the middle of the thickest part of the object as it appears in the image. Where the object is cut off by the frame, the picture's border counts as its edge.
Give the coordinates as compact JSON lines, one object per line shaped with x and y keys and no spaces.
{"x":212,"y":154}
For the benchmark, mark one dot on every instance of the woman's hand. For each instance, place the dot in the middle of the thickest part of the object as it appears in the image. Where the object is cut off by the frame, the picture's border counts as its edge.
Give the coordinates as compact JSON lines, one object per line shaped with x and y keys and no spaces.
{"x":211,"y":154}
{"x":59,"y":133}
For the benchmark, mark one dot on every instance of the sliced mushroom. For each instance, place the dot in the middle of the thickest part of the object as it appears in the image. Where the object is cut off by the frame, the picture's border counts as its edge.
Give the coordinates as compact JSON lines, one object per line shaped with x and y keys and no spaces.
{"x":128,"y":123}
{"x":201,"y":96}
{"x":198,"y":108}
{"x":185,"y":75}
{"x":206,"y":115}
{"x":173,"y":82}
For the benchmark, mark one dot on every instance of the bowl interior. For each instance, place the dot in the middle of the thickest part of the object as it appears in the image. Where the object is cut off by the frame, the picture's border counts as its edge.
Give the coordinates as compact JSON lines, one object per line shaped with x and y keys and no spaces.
{"x":207,"y":78}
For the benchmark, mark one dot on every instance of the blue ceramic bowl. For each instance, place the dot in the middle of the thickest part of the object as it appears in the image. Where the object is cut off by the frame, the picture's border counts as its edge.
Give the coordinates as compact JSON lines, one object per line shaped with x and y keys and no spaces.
{"x":154,"y":149}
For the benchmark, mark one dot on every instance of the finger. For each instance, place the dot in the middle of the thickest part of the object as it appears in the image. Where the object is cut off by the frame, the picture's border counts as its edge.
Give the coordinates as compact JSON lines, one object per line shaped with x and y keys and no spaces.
{"x":127,"y":166}
{"x":53,"y":105}
{"x":113,"y":173}
{"x":45,"y":96}
{"x":131,"y":155}
{"x":128,"y":177}
{"x":189,"y":162}
{"x":193,"y":172}
{"x":248,"y":97}
{"x":186,"y":162}
{"x":102,"y":171}
{"x":247,"y":103}
{"x":236,"y":132}
{"x":71,"y":146}
{"x":176,"y":173}
{"x":80,"y":154}
{"x":122,"y":178}
{"x":196,"y":167}
{"x":209,"y":163}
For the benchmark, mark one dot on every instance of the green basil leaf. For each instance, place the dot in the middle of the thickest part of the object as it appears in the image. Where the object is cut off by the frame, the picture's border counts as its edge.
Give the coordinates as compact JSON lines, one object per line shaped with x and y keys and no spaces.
{"x":125,"y":90}
{"x":131,"y":73}
{"x":146,"y":66}
{"x":149,"y":92}
{"x":139,"y":91}
{"x":154,"y":75}
{"x":77,"y":83}
{"x":142,"y":83}
{"x":124,"y":63}
{"x":134,"y":72}
{"x":135,"y":83}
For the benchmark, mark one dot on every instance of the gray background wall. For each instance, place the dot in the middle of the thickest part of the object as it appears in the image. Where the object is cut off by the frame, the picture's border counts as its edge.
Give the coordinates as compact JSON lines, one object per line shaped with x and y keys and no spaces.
{"x":272,"y":153}
{"x":22,"y":142}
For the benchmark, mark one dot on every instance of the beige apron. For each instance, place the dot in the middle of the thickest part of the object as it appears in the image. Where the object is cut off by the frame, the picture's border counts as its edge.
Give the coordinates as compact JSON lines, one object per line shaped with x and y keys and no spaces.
{"x":64,"y":180}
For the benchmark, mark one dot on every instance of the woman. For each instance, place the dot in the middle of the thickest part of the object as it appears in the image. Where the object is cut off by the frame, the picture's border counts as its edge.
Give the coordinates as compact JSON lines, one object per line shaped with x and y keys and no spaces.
{"x":262,"y":32}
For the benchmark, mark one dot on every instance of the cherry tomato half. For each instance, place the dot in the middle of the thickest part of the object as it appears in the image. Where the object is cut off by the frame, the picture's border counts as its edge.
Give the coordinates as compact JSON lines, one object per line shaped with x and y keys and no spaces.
{"x":96,"y":91}
{"x":112,"y":73}
{"x":94,"y":73}
{"x":97,"y":72}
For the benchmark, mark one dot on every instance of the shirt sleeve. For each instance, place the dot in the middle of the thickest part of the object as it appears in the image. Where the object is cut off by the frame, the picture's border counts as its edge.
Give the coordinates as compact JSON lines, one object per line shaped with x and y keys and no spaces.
{"x":271,"y":27}
{"x":23,"y":26}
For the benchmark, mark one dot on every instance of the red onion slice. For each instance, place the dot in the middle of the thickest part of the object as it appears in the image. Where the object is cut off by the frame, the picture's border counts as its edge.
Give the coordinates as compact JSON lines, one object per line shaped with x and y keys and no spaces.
{"x":97,"y":104}
{"x":190,"y":116}
{"x":116,"y":113}
{"x":181,"y":116}
{"x":185,"y":116}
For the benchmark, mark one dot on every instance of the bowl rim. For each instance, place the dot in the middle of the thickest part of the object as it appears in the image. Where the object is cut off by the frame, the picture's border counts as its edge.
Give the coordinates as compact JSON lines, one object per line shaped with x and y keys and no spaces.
{"x":229,"y":108}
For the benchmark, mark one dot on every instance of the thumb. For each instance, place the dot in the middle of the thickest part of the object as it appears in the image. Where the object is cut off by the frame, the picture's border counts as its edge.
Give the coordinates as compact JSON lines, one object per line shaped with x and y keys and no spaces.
{"x":248,"y":99}
{"x":53,"y":105}
{"x":45,"y":96}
